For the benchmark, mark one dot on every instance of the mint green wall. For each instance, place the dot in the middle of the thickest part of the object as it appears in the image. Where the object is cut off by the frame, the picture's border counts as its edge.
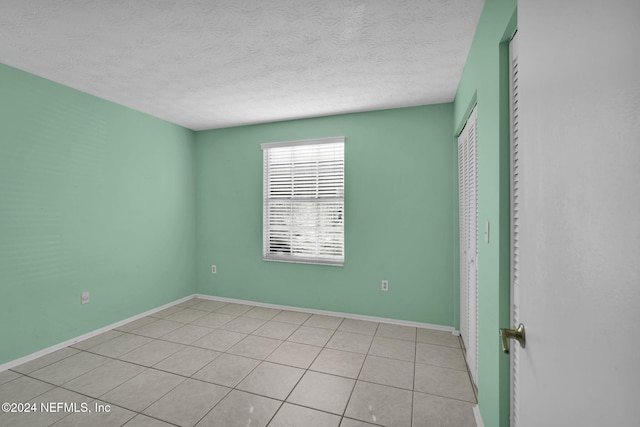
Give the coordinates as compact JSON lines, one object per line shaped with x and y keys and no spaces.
{"x":485,"y":81}
{"x":93,"y":197}
{"x":399,"y":216}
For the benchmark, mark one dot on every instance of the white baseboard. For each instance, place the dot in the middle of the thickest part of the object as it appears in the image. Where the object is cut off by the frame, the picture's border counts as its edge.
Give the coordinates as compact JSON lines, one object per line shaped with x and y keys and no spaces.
{"x":477,"y":416}
{"x":333,"y":313}
{"x":88,"y":335}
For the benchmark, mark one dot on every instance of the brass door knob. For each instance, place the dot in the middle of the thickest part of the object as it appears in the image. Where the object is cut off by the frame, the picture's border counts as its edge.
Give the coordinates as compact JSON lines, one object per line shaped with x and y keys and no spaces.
{"x":517,"y":334}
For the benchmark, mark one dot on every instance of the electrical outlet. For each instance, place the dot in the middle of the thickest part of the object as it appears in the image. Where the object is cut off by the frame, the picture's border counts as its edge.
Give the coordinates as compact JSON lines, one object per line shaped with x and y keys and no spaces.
{"x":213,"y":269}
{"x":84,"y":298}
{"x":385,"y":285}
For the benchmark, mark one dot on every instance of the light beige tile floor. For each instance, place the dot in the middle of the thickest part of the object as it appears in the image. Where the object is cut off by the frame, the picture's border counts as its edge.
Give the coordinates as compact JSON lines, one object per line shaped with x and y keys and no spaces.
{"x":209,"y":363}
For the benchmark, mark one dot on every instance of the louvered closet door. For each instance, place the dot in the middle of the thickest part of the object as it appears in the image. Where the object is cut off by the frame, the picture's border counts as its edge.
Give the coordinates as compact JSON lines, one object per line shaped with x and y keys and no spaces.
{"x":468,"y":214}
{"x":515,"y":223}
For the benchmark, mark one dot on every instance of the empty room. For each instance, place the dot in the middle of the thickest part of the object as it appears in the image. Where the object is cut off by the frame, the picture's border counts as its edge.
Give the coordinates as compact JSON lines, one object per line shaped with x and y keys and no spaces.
{"x":319,"y":213}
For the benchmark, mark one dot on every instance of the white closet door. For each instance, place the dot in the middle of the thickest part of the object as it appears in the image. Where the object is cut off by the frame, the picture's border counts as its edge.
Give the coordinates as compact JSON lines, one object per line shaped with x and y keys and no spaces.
{"x":468,"y":213}
{"x":515,"y":223}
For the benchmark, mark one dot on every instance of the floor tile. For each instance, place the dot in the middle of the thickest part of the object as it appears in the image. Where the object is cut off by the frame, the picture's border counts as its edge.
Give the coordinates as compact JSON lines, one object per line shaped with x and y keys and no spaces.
{"x":213,"y":320}
{"x":337,"y":362}
{"x":157,"y":329}
{"x":321,"y":321}
{"x":227,"y":370}
{"x":292,"y":415}
{"x":187,"y":315}
{"x":271,"y":380}
{"x":439,"y":355}
{"x":98,"y":339}
{"x":6,"y":376}
{"x":186,"y":334}
{"x":294,"y":317}
{"x":187,"y":361}
{"x":348,"y":422}
{"x":246,"y":325}
{"x":394,"y":349}
{"x":443,"y":382}
{"x":219,"y":340}
{"x":28,"y":419}
{"x":311,"y":336}
{"x":398,"y":332}
{"x":151,"y":353}
{"x":322,"y":391}
{"x":348,"y":341}
{"x":47,"y":359}
{"x":234,"y":309}
{"x":366,"y":372}
{"x":144,"y":421}
{"x":208,"y":305}
{"x":57,"y":396}
{"x":110,"y":415}
{"x":255,"y":347}
{"x":67,"y":369}
{"x":104,"y":378}
{"x":142,"y":390}
{"x":380,"y":404}
{"x":392,"y":372}
{"x":358,"y":326}
{"x":135,"y":324}
{"x":429,"y":411}
{"x":190,"y":302}
{"x":167,"y":311}
{"x":294,"y":354}
{"x":431,"y":336}
{"x":22,"y":389}
{"x":188,"y":402}
{"x":277,"y":330}
{"x":240,"y":409}
{"x":120,"y":345}
{"x":263,"y":313}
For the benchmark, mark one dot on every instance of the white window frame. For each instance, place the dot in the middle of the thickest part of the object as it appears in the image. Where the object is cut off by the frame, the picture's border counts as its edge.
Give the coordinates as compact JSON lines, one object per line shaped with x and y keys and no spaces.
{"x":303,"y":202}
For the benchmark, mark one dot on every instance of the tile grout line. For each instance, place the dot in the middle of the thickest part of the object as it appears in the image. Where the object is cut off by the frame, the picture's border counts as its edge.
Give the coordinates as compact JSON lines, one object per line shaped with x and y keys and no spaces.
{"x":281,"y":402}
{"x":360,"y":372}
{"x":249,"y":373}
{"x":303,"y":374}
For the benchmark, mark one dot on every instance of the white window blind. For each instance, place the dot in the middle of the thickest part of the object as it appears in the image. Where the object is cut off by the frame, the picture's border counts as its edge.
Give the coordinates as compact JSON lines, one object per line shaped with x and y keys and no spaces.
{"x":303,"y":201}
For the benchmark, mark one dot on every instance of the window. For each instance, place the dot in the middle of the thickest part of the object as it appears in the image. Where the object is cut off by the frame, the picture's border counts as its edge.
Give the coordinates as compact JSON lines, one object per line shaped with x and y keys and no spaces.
{"x":303,"y":201}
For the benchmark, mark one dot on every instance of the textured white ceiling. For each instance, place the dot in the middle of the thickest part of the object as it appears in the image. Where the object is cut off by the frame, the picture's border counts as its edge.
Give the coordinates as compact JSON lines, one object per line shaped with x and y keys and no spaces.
{"x":208,"y":64}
